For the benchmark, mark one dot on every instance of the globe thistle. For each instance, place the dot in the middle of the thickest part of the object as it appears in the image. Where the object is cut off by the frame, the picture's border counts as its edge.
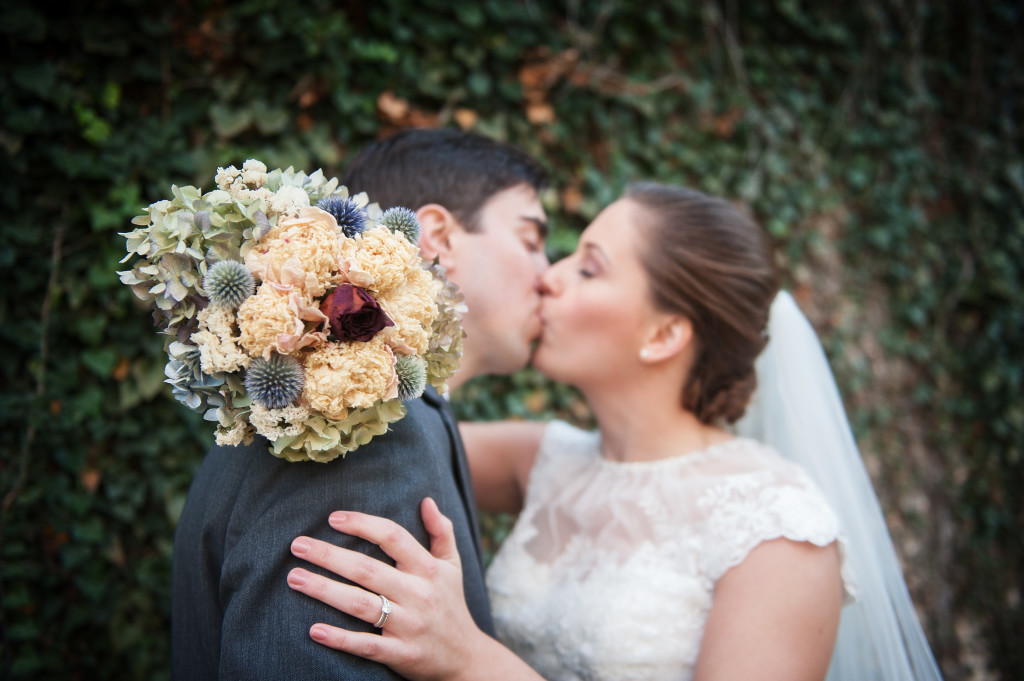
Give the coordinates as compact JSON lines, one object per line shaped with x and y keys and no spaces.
{"x":403,"y":221}
{"x":412,"y":377}
{"x":274,"y":383}
{"x":351,"y":218}
{"x":229,"y":283}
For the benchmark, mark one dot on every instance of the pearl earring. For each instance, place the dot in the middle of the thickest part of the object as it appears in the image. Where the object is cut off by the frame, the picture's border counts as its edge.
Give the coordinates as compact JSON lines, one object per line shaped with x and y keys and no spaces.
{"x":643,"y":353}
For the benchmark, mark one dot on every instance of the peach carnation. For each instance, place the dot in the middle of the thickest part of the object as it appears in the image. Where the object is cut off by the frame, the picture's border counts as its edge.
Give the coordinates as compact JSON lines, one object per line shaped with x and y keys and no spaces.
{"x":412,"y":307}
{"x":343,"y":376}
{"x":378,"y":260}
{"x":276,"y":320}
{"x":299,"y":252}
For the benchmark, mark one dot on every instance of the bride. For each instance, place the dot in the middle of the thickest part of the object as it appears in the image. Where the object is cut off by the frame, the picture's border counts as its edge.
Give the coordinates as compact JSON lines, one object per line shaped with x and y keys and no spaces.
{"x":663,"y":546}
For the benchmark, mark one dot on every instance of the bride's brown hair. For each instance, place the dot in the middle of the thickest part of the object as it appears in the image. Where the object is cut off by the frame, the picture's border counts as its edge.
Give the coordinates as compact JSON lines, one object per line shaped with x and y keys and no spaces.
{"x":711,"y":264}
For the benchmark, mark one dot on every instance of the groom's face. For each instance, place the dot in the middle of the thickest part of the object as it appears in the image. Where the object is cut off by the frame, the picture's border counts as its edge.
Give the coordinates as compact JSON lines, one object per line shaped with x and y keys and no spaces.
{"x":498,"y":268}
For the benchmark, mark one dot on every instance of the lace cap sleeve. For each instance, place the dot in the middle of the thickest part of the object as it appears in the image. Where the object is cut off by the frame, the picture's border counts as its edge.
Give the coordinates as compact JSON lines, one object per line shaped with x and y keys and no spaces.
{"x":770,"y":499}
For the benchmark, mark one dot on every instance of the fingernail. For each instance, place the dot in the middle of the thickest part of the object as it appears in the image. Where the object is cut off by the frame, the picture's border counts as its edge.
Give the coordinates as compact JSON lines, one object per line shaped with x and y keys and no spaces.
{"x":318,"y":633}
{"x":301,"y":545}
{"x":296,"y":578}
{"x":337,"y":518}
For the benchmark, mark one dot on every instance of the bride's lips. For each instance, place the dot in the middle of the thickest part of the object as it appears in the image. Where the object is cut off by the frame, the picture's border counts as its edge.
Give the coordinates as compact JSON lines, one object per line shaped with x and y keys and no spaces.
{"x":543,"y":320}
{"x":539,"y":317}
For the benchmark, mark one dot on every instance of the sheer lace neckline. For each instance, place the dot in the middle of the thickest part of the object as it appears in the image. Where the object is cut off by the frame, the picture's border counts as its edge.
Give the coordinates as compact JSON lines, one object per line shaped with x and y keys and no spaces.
{"x":676,"y":459}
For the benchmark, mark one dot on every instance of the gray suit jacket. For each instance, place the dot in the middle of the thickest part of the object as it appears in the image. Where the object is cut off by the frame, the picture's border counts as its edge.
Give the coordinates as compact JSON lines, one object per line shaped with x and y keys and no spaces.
{"x":233,"y":614}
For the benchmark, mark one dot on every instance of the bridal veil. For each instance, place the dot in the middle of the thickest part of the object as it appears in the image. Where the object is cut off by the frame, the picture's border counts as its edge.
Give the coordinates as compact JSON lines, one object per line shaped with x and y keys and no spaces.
{"x":797,"y":410}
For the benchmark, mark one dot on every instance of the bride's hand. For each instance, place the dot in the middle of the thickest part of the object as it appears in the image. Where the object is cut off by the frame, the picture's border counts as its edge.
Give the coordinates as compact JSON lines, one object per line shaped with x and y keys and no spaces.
{"x":430,"y":633}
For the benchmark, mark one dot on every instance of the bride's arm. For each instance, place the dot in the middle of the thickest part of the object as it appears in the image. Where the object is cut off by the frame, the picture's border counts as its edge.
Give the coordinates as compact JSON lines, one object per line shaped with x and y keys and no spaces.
{"x":429,"y":634}
{"x":774,"y":616}
{"x":500,"y":455}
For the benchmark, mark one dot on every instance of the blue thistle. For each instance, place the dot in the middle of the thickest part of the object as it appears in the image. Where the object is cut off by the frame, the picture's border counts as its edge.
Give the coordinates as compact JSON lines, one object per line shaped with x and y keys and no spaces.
{"x":276,"y":382}
{"x":351,"y":218}
{"x":412,"y":377}
{"x":403,"y":221}
{"x":228,"y":283}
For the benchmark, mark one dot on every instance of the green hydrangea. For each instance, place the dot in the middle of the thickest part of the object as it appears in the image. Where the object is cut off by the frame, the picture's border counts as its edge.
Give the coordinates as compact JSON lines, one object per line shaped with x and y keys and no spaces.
{"x":444,"y":352}
{"x":176,"y":240}
{"x":324,"y":441}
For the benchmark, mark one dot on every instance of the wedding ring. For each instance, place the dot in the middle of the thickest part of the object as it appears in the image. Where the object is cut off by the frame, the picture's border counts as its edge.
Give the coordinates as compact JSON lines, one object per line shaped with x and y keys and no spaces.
{"x":385,"y":610}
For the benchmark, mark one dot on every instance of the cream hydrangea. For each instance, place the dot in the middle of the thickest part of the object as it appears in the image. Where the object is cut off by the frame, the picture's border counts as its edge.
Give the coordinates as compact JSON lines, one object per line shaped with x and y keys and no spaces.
{"x":246,"y":184}
{"x":226,"y":177}
{"x":343,"y":376}
{"x":217,"y":342}
{"x":268,"y":422}
{"x":300,"y":252}
{"x":289,"y":201}
{"x":378,"y":260}
{"x":237,"y":434}
{"x":254,"y":174}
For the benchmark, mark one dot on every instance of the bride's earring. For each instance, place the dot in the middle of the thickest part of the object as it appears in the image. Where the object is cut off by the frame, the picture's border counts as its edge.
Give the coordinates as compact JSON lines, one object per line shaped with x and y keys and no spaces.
{"x":643,"y":353}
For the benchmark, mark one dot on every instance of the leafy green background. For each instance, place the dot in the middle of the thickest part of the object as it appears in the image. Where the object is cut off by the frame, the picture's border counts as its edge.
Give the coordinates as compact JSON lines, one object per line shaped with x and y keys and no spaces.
{"x":878,"y":142}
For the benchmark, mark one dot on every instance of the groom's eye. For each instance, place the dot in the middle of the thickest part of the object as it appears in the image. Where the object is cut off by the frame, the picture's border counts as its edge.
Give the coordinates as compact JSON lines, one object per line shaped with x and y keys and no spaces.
{"x":533,"y":242}
{"x":530,"y":236}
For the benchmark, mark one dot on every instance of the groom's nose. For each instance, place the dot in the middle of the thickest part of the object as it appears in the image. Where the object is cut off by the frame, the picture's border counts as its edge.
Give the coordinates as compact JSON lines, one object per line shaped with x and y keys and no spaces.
{"x":540,"y":262}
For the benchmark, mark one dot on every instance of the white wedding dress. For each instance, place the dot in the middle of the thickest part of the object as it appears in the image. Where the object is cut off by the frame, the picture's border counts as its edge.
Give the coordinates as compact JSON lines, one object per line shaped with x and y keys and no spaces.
{"x":609,"y":571}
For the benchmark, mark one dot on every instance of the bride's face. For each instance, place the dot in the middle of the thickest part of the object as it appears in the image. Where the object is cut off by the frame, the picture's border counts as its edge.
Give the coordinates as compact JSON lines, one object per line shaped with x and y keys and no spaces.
{"x":596,"y":307}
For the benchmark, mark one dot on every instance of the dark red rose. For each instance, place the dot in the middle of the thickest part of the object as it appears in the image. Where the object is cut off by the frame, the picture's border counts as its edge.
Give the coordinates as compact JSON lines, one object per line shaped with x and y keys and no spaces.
{"x":353,"y":313}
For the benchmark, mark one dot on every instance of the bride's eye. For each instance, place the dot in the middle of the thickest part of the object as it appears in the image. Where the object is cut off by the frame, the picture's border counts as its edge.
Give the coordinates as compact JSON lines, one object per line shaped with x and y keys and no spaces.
{"x":589,"y":267}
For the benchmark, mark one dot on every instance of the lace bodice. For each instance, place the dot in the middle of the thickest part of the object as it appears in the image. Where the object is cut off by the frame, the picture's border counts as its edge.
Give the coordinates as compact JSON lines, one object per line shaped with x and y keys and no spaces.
{"x":610,"y":568}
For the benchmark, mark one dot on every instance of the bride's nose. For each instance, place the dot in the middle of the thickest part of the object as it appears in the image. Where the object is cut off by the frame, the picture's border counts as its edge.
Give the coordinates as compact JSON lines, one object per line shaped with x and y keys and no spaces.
{"x":550,"y":279}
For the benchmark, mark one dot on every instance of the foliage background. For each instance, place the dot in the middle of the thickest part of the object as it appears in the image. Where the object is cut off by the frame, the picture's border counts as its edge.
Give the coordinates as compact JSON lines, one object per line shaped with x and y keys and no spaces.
{"x":877,"y":141}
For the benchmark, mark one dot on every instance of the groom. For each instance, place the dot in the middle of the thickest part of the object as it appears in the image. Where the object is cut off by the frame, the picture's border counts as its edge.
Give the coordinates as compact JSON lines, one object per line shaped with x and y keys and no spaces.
{"x":233,"y":615}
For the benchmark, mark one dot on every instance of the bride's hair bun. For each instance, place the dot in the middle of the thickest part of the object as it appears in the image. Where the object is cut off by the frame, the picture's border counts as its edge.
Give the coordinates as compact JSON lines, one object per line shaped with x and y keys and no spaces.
{"x":709,"y":262}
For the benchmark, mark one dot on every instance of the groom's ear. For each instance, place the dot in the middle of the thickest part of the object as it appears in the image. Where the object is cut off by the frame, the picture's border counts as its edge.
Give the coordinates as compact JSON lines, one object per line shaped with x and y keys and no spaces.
{"x":437,"y":227}
{"x":671,"y":336}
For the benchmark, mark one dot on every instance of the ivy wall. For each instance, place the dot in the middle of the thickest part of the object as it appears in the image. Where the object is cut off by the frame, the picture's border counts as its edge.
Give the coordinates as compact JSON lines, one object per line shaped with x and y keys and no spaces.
{"x":877,"y":141}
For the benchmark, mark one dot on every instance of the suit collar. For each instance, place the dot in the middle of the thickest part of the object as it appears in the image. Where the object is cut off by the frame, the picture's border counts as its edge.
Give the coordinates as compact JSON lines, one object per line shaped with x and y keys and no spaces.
{"x":460,"y":467}
{"x":432,"y":397}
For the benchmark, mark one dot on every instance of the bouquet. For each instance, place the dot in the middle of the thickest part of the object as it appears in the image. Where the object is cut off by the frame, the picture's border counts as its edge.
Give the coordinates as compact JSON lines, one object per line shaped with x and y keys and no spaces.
{"x":293,"y":310}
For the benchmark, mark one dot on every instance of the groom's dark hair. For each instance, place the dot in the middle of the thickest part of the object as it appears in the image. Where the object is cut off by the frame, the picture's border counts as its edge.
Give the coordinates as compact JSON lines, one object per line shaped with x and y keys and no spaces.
{"x":457,"y":170}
